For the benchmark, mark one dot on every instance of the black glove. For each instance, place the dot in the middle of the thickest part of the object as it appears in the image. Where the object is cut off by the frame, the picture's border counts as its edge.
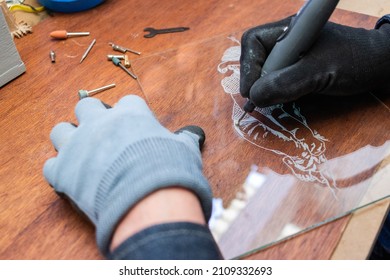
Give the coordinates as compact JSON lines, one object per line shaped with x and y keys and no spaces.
{"x":343,"y":61}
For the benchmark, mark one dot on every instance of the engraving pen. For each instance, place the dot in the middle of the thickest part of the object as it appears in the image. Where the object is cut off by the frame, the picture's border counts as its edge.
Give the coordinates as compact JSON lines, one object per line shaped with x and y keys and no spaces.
{"x":295,"y":40}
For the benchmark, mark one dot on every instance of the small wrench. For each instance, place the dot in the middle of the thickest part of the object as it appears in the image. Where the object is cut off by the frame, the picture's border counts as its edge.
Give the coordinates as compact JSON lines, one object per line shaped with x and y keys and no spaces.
{"x":153,"y":32}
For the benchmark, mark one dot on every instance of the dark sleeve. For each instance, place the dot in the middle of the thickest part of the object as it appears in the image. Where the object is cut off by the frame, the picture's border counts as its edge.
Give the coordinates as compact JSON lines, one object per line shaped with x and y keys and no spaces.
{"x":382,"y":20}
{"x":170,"y":241}
{"x":381,"y":249}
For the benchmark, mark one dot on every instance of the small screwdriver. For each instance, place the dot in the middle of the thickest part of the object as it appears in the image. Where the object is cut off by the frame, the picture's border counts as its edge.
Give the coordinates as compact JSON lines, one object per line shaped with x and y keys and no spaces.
{"x":63,"y":34}
{"x":117,"y":62}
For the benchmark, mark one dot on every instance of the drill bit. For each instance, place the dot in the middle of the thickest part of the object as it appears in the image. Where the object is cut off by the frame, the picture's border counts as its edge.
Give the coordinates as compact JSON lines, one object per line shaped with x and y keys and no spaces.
{"x":86,"y":93}
{"x":127,"y":61}
{"x":122,"y":49}
{"x":124,"y":57}
{"x":248,"y":108}
{"x":237,"y":122}
{"x":88,"y":50}
{"x":63,"y":34}
{"x":52,"y":56}
{"x":110,"y":56}
{"x":117,"y":62}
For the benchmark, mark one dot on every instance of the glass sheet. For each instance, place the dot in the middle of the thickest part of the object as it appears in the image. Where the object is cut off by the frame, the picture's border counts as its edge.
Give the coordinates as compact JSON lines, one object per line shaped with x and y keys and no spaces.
{"x":310,"y":161}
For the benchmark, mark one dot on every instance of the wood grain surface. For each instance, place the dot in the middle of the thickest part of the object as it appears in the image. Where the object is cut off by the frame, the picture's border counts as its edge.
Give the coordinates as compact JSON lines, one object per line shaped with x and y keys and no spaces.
{"x":34,"y":222}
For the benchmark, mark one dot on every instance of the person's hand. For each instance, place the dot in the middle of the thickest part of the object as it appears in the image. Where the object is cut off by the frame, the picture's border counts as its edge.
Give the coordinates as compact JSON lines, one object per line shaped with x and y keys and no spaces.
{"x":343,"y":61}
{"x":116,"y":157}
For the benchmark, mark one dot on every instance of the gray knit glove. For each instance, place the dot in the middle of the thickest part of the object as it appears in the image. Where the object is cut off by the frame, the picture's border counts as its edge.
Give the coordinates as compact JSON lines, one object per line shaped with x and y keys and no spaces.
{"x":116,"y":157}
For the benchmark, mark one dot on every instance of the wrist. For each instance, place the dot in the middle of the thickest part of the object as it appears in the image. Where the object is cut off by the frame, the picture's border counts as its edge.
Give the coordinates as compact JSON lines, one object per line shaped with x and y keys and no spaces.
{"x":173,"y":204}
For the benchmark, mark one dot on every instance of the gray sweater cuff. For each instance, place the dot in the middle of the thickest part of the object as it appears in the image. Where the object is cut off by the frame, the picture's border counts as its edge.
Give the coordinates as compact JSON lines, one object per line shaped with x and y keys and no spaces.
{"x":142,"y":168}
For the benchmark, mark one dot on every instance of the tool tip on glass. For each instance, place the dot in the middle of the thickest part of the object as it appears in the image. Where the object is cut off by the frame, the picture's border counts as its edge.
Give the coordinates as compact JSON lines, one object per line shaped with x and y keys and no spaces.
{"x":238,"y":121}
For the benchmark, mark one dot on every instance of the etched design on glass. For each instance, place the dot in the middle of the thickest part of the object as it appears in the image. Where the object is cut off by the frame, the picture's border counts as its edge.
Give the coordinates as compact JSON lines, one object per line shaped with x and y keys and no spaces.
{"x":280,"y":129}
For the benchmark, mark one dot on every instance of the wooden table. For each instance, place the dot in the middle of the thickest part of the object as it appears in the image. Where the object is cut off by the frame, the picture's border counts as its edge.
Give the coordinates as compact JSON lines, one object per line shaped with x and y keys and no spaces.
{"x":34,"y":222}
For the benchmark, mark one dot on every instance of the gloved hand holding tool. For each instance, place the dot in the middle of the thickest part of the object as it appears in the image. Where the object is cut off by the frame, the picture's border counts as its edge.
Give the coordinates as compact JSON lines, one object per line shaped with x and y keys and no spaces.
{"x":115,"y":157}
{"x":342,"y":61}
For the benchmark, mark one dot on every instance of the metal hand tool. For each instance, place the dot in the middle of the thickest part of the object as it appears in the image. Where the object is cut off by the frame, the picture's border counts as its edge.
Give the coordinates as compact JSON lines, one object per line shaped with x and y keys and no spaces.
{"x":86,"y":93}
{"x":52,"y":56}
{"x":88,"y":50}
{"x":117,"y":62}
{"x":122,"y":49}
{"x":153,"y":32}
{"x":296,"y":39}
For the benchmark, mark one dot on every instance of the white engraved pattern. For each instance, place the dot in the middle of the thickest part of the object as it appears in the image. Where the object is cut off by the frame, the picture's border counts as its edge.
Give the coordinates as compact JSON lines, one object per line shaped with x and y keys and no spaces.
{"x":266,"y":127}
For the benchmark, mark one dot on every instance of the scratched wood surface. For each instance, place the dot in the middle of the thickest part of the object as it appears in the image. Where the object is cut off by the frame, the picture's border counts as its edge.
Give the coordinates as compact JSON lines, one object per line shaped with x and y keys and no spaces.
{"x":34,"y":222}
